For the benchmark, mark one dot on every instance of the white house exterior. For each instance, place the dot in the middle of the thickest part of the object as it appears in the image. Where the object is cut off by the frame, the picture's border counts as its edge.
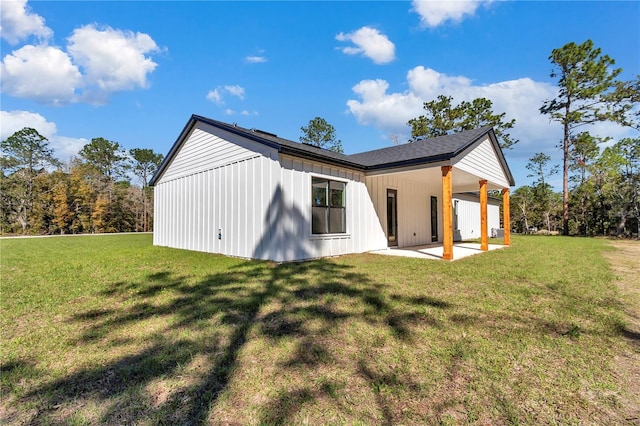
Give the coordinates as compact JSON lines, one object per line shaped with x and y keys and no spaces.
{"x":466,"y":217}
{"x":247,"y":193}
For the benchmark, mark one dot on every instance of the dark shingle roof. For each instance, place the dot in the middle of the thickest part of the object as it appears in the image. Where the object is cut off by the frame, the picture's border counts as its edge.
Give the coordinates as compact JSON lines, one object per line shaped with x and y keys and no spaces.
{"x":283,"y":145}
{"x":426,"y":151}
{"x":422,"y":151}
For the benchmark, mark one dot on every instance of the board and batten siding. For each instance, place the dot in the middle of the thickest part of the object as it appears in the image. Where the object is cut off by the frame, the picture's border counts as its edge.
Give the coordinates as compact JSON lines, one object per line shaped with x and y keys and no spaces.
{"x":254,"y":203}
{"x":207,"y":147}
{"x":364,"y":232}
{"x":221,"y":210}
{"x":468,"y":208}
{"x":214,"y":195}
{"x":483,"y":161}
{"x":413,"y":208}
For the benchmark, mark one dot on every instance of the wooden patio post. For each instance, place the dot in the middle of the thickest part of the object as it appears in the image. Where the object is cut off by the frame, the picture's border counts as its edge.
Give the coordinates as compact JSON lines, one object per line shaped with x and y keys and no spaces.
{"x":506,"y":216}
{"x":447,"y":213}
{"x":484,"y":234}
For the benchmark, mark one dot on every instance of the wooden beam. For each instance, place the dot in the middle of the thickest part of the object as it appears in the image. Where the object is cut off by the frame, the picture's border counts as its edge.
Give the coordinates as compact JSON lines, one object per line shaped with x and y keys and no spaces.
{"x":484,"y":232}
{"x":447,"y":213}
{"x":506,"y":216}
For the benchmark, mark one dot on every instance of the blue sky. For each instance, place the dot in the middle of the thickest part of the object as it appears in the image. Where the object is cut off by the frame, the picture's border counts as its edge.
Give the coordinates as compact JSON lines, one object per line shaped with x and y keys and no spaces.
{"x":133,"y":72}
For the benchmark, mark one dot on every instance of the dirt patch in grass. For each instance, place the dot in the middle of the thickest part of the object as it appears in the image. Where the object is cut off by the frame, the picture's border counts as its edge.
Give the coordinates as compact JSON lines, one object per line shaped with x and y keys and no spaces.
{"x":625,"y":263}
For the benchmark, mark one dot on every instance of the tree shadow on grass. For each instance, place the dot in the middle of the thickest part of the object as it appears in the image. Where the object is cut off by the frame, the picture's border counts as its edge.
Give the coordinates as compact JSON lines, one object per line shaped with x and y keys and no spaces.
{"x":157,"y":329}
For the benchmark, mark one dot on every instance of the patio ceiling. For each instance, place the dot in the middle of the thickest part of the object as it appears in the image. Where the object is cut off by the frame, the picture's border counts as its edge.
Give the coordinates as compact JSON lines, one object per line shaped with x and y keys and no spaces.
{"x":462,"y":181}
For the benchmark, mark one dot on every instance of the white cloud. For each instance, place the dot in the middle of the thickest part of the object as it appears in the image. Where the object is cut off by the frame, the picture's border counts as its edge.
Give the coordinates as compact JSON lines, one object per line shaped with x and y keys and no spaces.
{"x":389,"y":112}
{"x":436,"y":12}
{"x":96,"y":63}
{"x":113,"y":59}
{"x":43,"y":73}
{"x":64,"y":147}
{"x":12,"y":121}
{"x":215,"y":96}
{"x":370,"y":43}
{"x":255,"y":59}
{"x":235,"y":90}
{"x":244,"y":112}
{"x":519,"y":99}
{"x":18,"y":23}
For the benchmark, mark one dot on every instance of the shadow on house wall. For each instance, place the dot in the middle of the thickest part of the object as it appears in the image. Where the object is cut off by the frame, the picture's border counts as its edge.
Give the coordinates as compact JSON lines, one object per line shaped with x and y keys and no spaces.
{"x":286,"y":231}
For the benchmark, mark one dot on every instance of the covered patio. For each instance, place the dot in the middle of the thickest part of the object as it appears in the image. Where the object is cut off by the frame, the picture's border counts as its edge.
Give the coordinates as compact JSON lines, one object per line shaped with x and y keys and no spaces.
{"x":435,"y":251}
{"x":473,"y":166}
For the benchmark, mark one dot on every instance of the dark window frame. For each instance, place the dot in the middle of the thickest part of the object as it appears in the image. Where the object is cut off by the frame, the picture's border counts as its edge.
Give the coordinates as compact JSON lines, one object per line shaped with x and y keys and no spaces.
{"x":328,"y":213}
{"x":433,"y":208}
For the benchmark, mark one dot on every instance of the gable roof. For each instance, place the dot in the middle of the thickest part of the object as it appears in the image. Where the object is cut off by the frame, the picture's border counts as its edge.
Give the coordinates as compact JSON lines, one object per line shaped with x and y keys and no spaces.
{"x":441,"y":148}
{"x":422,"y":151}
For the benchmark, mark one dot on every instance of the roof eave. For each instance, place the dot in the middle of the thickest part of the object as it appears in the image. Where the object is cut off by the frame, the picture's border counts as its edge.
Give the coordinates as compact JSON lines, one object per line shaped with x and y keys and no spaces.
{"x":496,"y":146}
{"x":503,"y":161}
{"x":412,"y":162}
{"x":174,"y":149}
{"x":318,"y":157}
{"x":285,"y":149}
{"x":239,"y":132}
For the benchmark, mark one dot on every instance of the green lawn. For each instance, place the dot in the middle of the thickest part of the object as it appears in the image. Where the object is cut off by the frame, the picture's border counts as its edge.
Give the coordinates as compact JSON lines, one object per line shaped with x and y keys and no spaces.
{"x":109,"y":329}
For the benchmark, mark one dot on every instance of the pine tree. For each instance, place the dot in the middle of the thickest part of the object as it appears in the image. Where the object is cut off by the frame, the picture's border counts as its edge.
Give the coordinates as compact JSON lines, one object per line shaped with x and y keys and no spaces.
{"x":589,"y":93}
{"x":321,"y":134}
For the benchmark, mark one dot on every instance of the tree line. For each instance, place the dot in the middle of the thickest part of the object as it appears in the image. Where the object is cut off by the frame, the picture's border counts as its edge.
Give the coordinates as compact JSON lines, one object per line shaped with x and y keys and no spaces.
{"x":601,"y":187}
{"x":95,"y":192}
{"x":604,"y":191}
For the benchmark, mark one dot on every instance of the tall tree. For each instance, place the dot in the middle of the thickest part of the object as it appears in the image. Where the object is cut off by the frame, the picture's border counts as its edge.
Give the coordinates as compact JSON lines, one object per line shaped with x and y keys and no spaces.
{"x":321,"y":134}
{"x":541,"y":169}
{"x":589,"y":93}
{"x":106,"y":156}
{"x":107,"y":163}
{"x":584,"y":152}
{"x":623,"y":102}
{"x":145,"y":163}
{"x":61,"y":212}
{"x":100,"y":214}
{"x":23,"y":155}
{"x":522,"y":199}
{"x":443,"y":118}
{"x":83,"y":193}
{"x":621,"y":163}
{"x":542,"y":191}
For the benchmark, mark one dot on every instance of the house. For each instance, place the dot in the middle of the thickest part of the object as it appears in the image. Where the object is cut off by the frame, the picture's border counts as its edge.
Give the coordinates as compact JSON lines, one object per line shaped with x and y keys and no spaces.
{"x":466,"y":216}
{"x":248,"y":193}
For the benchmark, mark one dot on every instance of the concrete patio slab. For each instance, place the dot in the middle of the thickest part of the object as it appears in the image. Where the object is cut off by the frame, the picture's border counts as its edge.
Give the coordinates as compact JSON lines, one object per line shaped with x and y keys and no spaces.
{"x":434,"y":251}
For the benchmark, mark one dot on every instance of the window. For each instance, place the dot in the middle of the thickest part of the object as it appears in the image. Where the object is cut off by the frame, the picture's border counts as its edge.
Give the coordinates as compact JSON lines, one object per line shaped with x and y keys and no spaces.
{"x":434,"y":219}
{"x":328,"y":203}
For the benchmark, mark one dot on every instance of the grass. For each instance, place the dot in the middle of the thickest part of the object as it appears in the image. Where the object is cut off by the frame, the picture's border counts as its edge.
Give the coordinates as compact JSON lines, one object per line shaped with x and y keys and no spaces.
{"x":110,"y":329}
